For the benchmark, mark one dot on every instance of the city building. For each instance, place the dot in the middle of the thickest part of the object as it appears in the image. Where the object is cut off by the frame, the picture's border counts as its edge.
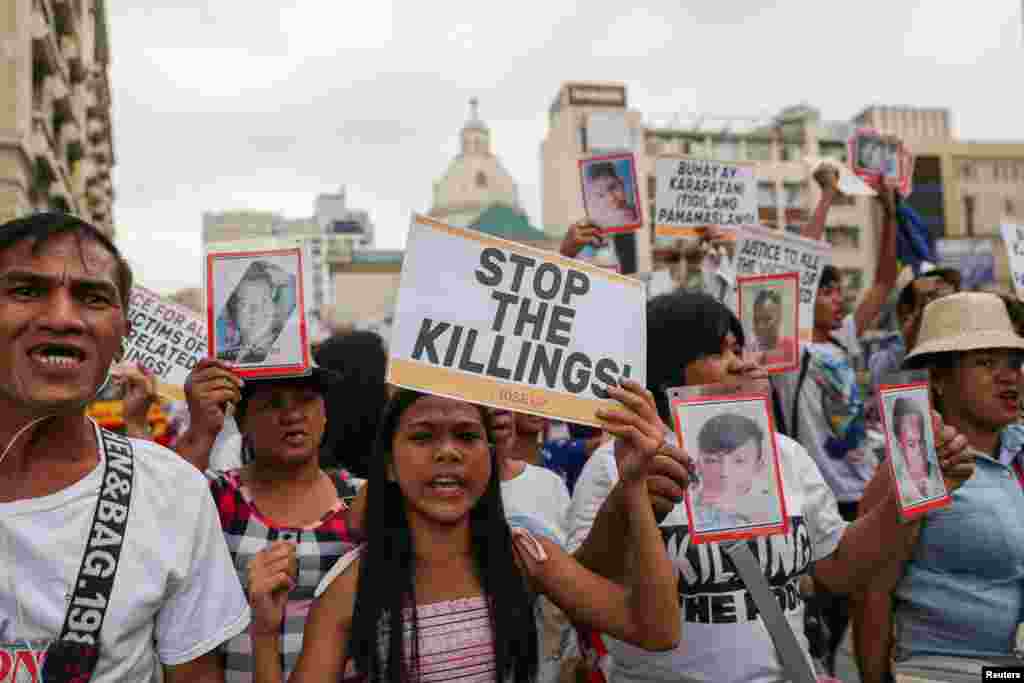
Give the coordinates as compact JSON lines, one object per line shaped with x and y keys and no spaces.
{"x":334,"y":233}
{"x":56,"y":142}
{"x":962,"y":189}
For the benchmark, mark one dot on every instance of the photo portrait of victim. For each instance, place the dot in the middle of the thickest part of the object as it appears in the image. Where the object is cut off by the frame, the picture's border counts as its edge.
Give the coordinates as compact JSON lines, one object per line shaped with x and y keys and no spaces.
{"x":777,"y":343}
{"x":735,"y":469}
{"x":870,"y":153}
{"x":917,"y":472}
{"x":609,"y":194}
{"x":255,"y":314}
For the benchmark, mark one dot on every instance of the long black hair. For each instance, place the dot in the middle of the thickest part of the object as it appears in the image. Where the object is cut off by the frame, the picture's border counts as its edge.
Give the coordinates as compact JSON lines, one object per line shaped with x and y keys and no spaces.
{"x":682,"y":327}
{"x":387,"y":573}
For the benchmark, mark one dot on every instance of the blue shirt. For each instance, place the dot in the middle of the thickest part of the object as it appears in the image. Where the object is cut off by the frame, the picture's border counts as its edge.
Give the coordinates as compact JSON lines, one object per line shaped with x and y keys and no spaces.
{"x":565,"y":457}
{"x":963,"y":592}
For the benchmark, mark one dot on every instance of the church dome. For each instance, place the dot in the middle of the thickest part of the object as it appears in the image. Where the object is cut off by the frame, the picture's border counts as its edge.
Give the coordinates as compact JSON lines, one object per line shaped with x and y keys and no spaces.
{"x":475,"y":179}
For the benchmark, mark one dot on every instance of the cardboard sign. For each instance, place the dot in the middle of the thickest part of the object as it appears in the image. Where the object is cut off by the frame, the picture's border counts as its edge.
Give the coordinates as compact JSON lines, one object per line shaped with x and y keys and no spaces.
{"x":910,"y":448}
{"x":497,"y":323}
{"x":611,"y":193}
{"x":256,"y":311}
{"x":763,"y":251}
{"x":736,"y":490}
{"x":691,"y":194}
{"x":1013,"y":236}
{"x":164,"y":338}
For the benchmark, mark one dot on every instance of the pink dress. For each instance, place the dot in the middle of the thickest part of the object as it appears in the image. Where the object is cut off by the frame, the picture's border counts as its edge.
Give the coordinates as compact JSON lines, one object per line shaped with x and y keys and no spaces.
{"x":455,"y":639}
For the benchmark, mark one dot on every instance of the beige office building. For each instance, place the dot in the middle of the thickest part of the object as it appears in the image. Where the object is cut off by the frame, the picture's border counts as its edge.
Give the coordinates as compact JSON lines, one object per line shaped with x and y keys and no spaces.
{"x":976,"y":184}
{"x":56,"y":144}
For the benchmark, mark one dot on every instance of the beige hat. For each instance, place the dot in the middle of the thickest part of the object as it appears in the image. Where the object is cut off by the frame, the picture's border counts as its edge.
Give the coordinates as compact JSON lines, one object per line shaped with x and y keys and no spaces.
{"x":967,"y":321}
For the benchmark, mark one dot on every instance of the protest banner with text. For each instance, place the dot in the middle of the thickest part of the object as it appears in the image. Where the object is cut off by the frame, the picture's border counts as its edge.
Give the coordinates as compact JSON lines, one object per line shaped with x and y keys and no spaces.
{"x":764,"y":251}
{"x":513,"y":327}
{"x":164,"y":338}
{"x":1013,"y":236}
{"x":692,"y":194}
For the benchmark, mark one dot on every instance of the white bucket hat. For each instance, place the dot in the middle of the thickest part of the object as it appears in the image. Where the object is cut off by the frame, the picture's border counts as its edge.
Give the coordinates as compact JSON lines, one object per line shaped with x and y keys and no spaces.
{"x":968,"y":321}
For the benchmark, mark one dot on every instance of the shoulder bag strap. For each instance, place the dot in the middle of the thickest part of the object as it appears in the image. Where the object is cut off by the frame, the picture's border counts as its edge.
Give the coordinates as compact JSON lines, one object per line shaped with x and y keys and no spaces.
{"x":798,"y":669}
{"x":90,"y":595}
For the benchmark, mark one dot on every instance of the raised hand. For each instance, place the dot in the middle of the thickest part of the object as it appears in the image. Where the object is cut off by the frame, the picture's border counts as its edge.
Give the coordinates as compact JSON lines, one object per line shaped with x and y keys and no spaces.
{"x":210,"y":387}
{"x":272,"y":575}
{"x":581,"y":234}
{"x":955,"y":458}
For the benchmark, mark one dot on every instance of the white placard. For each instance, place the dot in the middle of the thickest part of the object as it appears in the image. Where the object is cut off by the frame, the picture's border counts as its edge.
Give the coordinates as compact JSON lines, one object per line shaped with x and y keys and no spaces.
{"x":166,"y":339}
{"x":692,"y":194}
{"x":764,"y":251}
{"x":1013,"y":236}
{"x":500,"y":324}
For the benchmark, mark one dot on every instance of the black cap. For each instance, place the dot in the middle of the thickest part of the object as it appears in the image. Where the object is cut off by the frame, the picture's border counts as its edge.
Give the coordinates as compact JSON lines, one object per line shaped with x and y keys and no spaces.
{"x":321,"y":379}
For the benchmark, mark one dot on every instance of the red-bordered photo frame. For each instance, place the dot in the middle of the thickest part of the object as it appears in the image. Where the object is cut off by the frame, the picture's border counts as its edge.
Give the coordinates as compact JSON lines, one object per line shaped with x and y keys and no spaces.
{"x":921,"y":389}
{"x":260,"y":369}
{"x":767,"y":423}
{"x":614,"y":159}
{"x":789,"y":281}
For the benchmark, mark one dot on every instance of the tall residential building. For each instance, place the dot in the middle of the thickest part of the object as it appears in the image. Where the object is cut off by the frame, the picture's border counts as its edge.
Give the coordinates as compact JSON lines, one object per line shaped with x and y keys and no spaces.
{"x":963,"y":189}
{"x":56,"y":142}
{"x":334,"y":233}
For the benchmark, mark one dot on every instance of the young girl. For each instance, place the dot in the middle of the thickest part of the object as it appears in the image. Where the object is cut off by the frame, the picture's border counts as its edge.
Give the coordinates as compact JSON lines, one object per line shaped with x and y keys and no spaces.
{"x":437,"y":540}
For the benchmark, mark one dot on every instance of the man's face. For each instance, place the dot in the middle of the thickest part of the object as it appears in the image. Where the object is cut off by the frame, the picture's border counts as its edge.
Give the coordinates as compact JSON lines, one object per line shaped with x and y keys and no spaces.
{"x":61,"y":323}
{"x":728,"y":476}
{"x":911,"y":438}
{"x":767,"y":318}
{"x":254,"y":308}
{"x":612,"y":191}
{"x":926,"y":290}
{"x":828,"y":307}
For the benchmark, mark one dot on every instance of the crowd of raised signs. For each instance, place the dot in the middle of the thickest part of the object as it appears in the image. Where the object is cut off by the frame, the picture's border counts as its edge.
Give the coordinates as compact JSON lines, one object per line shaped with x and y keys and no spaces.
{"x":328,"y":526}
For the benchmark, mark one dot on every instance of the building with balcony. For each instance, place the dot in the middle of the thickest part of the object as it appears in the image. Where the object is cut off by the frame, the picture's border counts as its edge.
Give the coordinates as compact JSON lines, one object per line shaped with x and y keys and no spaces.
{"x":962,"y":189}
{"x":56,"y":139}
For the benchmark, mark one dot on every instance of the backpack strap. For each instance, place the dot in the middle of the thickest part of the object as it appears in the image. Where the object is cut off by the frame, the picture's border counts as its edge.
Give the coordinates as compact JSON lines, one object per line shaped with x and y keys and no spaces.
{"x":805,"y":361}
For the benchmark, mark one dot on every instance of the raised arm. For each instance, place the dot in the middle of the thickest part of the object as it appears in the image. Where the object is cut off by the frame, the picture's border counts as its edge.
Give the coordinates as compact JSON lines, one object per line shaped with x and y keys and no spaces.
{"x":580,"y":234}
{"x":647,"y":612}
{"x":887,"y":271}
{"x":867,"y":546}
{"x":828,"y":180}
{"x":210,"y":387}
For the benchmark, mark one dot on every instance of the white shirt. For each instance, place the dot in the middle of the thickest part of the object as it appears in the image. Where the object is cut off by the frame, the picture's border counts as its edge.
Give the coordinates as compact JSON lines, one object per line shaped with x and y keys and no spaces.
{"x":537,"y":494}
{"x":176,"y":595}
{"x":722,"y":640}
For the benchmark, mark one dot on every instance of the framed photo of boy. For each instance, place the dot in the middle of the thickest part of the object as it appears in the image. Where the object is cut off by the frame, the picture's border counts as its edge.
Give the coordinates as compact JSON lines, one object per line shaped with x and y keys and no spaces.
{"x":611,"y":194}
{"x":910,"y":448}
{"x":737,"y":486}
{"x":769,"y":310}
{"x":256,"y":311}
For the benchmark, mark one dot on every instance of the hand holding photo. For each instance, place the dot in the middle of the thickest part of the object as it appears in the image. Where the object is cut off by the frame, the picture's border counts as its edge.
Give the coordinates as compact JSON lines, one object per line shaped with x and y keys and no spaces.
{"x":769,"y":311}
{"x":737,"y":490}
{"x":611,"y":197}
{"x":910,"y":444}
{"x":255,"y":309}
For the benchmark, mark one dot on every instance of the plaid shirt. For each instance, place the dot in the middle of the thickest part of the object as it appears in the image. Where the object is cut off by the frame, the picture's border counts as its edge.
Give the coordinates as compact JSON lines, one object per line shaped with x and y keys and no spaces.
{"x":247,"y":532}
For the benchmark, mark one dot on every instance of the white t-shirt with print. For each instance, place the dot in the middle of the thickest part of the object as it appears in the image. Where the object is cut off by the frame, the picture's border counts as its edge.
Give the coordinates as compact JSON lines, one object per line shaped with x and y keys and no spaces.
{"x":848,"y":476}
{"x":176,"y":595}
{"x":723,"y":639}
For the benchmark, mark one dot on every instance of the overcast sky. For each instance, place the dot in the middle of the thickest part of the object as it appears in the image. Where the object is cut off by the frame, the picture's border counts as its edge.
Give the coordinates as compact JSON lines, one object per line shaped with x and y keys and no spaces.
{"x":239,"y":104}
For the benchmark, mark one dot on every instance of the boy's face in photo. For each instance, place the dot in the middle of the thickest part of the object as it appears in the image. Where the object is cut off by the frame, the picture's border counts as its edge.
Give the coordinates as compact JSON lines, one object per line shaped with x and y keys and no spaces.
{"x":767,"y":320}
{"x":911,"y":439}
{"x":254,"y":308}
{"x":611,"y":191}
{"x":730,"y":475}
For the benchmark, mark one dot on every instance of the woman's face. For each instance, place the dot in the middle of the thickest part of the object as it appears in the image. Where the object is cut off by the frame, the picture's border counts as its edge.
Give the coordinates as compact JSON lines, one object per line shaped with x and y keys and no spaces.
{"x":911,"y":438}
{"x":983,"y":388}
{"x":285,"y":423}
{"x":714,"y":368}
{"x":729,"y":476}
{"x":254,"y":308}
{"x":441,"y":459}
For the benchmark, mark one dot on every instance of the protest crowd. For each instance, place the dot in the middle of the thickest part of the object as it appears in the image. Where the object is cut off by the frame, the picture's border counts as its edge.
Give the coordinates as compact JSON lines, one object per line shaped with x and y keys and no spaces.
{"x":323,"y":524}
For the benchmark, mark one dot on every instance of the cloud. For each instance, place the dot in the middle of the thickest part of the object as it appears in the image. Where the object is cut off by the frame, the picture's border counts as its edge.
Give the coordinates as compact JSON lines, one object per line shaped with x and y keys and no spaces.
{"x":237,"y":104}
